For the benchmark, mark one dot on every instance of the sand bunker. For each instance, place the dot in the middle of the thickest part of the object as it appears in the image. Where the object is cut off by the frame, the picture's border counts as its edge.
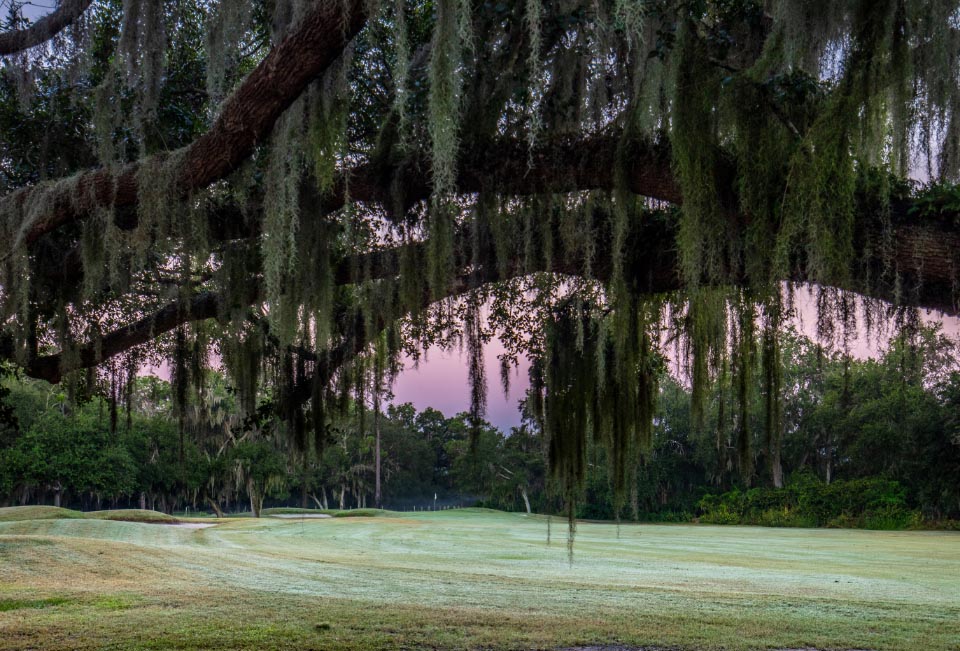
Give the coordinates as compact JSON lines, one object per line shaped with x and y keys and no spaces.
{"x":192,"y":525}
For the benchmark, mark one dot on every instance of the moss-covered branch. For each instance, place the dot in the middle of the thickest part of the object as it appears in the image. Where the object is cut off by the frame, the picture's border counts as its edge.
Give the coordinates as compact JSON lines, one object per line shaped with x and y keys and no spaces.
{"x":245,"y":120}
{"x":44,"y":29}
{"x":206,"y":305}
{"x":924,"y":248}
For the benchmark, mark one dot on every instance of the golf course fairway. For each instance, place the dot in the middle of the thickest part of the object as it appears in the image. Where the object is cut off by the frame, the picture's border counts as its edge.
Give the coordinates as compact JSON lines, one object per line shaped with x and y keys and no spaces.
{"x":468,"y":579}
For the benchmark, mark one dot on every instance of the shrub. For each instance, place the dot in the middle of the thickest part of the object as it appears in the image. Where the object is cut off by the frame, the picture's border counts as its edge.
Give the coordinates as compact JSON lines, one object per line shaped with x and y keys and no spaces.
{"x":872,"y":503}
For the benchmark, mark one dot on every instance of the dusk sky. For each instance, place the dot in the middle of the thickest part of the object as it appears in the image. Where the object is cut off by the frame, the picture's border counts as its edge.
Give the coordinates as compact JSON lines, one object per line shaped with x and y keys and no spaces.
{"x":441,"y":380}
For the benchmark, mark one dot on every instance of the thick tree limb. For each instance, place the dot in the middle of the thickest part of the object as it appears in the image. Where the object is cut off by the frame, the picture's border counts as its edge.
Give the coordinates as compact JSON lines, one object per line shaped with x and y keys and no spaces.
{"x":206,"y":305}
{"x":44,"y":29}
{"x":245,"y":120}
{"x":509,"y":167}
{"x":924,"y":252}
{"x":920,"y":266}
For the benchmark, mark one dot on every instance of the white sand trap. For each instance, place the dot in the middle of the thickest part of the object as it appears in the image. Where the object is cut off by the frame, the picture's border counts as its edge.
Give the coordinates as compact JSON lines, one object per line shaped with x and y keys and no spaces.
{"x":298,"y":516}
{"x":193,"y":525}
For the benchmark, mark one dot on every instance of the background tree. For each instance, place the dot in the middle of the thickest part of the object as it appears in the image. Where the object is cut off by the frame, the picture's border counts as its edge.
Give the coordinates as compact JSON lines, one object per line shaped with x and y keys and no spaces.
{"x":305,"y":186}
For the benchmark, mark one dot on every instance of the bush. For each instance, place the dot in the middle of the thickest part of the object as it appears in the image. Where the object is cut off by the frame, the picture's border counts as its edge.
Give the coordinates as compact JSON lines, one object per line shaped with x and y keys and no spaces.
{"x":785,"y":517}
{"x":721,"y":514}
{"x":892,"y":518}
{"x":871,"y":503}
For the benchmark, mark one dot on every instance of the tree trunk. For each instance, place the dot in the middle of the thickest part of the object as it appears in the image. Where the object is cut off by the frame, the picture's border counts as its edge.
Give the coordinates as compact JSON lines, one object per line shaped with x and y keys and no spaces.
{"x":143,"y":501}
{"x":56,"y":494}
{"x":776,"y":465}
{"x":829,"y":458}
{"x":254,"y":511}
{"x":216,"y":507}
{"x":377,"y":497}
{"x":526,"y":499}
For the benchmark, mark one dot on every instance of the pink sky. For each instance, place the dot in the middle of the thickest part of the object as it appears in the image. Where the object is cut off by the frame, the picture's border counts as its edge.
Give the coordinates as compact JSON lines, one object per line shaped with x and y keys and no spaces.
{"x":441,"y":380}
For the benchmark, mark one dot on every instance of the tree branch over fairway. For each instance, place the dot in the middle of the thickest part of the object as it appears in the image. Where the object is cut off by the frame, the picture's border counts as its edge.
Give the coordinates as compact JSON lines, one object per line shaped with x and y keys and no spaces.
{"x":44,"y":29}
{"x":244,"y":121}
{"x":206,"y":305}
{"x":925,"y":250}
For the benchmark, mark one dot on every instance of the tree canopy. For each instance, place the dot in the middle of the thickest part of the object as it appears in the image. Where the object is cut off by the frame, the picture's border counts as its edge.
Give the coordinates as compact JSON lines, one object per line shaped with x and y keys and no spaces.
{"x":308,"y":188}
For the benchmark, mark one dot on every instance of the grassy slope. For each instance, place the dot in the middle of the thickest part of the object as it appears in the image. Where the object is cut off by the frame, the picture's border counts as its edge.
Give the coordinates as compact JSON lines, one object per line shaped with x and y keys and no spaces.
{"x":471,"y":579}
{"x":24,"y":513}
{"x":14,"y":513}
{"x":350,"y":513}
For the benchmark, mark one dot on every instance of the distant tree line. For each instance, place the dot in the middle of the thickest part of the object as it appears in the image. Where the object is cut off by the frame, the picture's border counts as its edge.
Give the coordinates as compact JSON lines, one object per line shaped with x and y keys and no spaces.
{"x":871,"y":443}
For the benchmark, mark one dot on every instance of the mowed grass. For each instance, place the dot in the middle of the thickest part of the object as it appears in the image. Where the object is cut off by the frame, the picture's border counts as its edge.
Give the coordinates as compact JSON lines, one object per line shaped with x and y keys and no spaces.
{"x":471,"y":579}
{"x":22,"y":513}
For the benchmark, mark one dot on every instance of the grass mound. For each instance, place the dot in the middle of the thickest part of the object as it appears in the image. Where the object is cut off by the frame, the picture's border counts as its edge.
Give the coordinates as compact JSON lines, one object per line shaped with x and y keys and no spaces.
{"x":132,"y":515}
{"x":289,"y":510}
{"x":349,"y":513}
{"x":359,"y":513}
{"x":23,"y":513}
{"x":20,"y":513}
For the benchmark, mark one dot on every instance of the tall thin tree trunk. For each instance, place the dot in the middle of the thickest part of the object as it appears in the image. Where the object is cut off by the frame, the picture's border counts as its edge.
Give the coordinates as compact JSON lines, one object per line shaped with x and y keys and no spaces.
{"x":776,"y":465}
{"x":377,"y":497}
{"x":829,"y":458}
{"x":253,"y":499}
{"x":526,"y":498}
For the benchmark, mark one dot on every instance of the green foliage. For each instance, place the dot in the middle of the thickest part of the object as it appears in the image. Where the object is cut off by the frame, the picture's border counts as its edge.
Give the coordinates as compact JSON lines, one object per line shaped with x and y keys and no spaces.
{"x":935,"y":200}
{"x":790,"y":127}
{"x":450,"y":39}
{"x":807,"y":502}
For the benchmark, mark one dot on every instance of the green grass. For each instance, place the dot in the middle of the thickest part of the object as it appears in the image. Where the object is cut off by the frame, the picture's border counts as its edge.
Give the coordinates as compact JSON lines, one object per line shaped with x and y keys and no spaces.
{"x":473,"y":579}
{"x":24,"y":513}
{"x":346,"y":513}
{"x":133,"y":515}
{"x":19,"y":604}
{"x":15,"y":513}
